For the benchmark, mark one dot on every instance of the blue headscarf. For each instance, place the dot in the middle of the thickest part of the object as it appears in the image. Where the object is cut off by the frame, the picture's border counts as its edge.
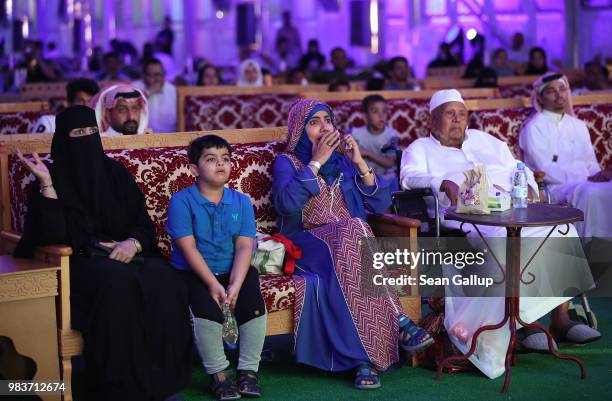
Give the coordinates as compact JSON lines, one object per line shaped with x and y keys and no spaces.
{"x":303,"y":150}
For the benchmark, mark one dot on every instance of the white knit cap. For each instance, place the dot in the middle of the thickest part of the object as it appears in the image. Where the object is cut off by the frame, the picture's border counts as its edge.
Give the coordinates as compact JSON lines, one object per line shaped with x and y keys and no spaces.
{"x":444,"y":96}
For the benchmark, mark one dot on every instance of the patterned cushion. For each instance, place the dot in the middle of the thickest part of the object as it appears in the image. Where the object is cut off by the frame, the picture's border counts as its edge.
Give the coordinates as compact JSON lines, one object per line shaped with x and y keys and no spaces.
{"x":20,"y":186}
{"x":18,"y":123}
{"x":598,"y":117}
{"x":504,"y":124}
{"x":515,"y":90}
{"x":204,"y":113}
{"x":278,"y":291}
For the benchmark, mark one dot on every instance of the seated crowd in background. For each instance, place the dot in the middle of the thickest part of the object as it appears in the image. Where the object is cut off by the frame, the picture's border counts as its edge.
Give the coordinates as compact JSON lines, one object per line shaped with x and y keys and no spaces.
{"x":286,"y":65}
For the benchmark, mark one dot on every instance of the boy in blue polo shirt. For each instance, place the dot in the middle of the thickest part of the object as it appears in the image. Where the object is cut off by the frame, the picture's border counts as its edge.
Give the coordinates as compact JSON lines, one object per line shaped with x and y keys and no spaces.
{"x":213,"y":232}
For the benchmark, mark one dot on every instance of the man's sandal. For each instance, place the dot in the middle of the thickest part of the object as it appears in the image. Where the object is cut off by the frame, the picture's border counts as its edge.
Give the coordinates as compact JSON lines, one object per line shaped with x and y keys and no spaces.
{"x":366,"y":373}
{"x":248,"y":384}
{"x":412,"y":337}
{"x":223,"y":386}
{"x":576,"y":333}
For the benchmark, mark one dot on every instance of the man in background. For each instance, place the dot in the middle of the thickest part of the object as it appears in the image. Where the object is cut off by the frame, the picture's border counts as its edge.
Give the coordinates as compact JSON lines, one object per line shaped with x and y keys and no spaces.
{"x":400,"y":75}
{"x":78,"y":92}
{"x":121,"y":110}
{"x":161,"y":96}
{"x":290,"y":33}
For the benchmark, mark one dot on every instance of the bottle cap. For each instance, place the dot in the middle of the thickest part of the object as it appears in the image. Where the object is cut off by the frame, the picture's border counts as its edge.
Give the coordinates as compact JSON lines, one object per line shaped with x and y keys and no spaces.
{"x":520,"y":165}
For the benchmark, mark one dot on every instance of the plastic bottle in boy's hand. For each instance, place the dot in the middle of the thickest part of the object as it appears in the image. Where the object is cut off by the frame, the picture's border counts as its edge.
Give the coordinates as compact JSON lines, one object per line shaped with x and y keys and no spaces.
{"x":229,"y":331}
{"x":519,"y":187}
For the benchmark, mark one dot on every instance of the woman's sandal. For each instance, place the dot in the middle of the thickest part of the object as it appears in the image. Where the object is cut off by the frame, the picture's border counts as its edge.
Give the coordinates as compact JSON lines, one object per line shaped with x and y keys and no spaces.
{"x":366,"y":373}
{"x":224,"y":390}
{"x":412,"y":337}
{"x":248,"y":384}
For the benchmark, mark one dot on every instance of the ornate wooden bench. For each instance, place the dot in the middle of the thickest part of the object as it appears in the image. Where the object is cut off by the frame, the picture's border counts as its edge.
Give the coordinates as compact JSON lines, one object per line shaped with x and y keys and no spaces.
{"x":160,"y":166}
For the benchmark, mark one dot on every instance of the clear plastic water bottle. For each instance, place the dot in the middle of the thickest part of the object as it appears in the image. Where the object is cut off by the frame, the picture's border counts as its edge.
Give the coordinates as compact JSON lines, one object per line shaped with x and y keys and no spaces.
{"x":229,"y":332}
{"x":519,"y":187}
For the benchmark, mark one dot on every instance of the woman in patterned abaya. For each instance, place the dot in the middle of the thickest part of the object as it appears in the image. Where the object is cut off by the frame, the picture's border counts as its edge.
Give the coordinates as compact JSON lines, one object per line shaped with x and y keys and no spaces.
{"x":321,"y":196}
{"x":126,"y":300}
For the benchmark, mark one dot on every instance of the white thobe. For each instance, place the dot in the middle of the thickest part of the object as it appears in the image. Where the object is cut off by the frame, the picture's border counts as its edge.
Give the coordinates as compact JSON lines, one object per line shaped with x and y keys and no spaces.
{"x":45,"y":124}
{"x":162,"y":107}
{"x":425,"y":164}
{"x":560,"y":146}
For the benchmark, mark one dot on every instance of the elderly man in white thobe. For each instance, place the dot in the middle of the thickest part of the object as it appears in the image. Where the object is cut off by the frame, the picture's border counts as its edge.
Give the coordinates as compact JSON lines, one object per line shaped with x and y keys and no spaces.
{"x":438,"y":162}
{"x":556,"y":142}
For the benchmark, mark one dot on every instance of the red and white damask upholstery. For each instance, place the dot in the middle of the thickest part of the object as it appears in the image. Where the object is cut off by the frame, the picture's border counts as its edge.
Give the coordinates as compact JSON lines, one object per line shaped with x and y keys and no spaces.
{"x":598,"y":117}
{"x":203,"y":113}
{"x":504,"y":124}
{"x":278,"y":291}
{"x":161,"y":172}
{"x":18,"y":123}
{"x":515,"y":90}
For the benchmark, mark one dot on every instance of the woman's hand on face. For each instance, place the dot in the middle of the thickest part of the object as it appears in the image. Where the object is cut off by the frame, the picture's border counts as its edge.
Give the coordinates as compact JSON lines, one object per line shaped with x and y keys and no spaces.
{"x":325,"y":146}
{"x":123,"y":251}
{"x":352,"y":150}
{"x":38,"y":168}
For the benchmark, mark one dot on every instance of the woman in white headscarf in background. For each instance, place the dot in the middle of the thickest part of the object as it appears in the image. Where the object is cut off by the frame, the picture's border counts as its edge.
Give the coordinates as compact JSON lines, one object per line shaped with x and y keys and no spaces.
{"x":250,"y":74}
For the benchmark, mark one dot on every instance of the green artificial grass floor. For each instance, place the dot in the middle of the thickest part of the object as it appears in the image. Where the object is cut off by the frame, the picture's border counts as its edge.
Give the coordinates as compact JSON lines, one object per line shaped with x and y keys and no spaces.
{"x":536,"y":377}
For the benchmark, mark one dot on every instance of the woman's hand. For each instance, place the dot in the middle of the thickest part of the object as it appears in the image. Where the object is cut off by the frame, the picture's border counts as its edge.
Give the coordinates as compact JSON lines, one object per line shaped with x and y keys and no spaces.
{"x":352,"y":150}
{"x":38,"y":168}
{"x":123,"y":251}
{"x":325,"y":146}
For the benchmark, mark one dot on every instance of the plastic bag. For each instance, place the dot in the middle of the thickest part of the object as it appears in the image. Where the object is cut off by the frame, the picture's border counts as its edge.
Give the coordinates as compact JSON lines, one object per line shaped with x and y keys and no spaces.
{"x":474,"y":192}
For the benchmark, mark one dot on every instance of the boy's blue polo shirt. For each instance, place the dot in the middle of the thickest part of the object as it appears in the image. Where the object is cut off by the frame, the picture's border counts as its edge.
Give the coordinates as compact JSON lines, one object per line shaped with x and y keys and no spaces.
{"x":214,"y":227}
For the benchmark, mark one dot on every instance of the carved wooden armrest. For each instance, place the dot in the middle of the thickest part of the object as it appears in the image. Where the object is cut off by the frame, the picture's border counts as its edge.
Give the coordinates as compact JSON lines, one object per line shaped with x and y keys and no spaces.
{"x":391,"y":225}
{"x":56,"y":250}
{"x":9,"y":236}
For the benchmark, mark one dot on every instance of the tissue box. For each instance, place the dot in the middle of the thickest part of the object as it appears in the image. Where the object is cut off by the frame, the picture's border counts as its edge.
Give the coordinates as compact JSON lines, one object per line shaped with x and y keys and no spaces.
{"x":499,"y":201}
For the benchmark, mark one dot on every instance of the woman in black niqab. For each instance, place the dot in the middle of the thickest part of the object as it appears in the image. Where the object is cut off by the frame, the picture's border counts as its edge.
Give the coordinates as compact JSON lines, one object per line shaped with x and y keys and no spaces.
{"x":129,"y":305}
